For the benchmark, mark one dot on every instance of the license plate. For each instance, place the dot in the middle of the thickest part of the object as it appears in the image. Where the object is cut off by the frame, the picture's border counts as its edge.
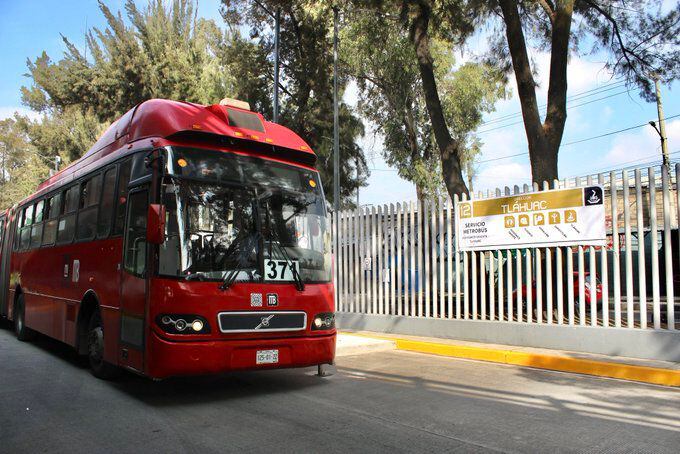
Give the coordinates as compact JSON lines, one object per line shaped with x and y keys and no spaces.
{"x":267,"y":357}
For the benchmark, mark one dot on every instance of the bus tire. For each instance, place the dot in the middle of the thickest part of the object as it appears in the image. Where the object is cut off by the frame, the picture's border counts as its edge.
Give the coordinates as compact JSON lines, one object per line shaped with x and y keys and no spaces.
{"x":95,"y":350}
{"x":22,"y":332}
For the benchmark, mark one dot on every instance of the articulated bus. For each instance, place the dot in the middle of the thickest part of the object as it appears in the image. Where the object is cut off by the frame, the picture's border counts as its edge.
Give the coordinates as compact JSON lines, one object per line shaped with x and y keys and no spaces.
{"x":188,"y":240}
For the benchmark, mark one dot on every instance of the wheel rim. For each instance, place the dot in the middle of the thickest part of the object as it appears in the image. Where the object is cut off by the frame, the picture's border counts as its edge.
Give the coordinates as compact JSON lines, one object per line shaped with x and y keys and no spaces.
{"x":96,"y":346}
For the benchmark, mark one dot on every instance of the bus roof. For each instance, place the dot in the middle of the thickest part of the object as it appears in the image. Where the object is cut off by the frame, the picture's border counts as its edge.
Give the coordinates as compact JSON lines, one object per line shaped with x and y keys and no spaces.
{"x":184,"y":121}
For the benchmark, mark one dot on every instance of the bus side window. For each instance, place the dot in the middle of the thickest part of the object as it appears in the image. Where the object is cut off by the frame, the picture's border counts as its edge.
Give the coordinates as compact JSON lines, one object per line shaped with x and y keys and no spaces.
{"x":52,"y":210}
{"x":107,"y":203}
{"x":26,"y":228}
{"x":67,"y":221}
{"x":17,"y":234}
{"x":121,"y":194}
{"x":37,"y":228}
{"x":88,"y":204}
{"x":135,"y":238}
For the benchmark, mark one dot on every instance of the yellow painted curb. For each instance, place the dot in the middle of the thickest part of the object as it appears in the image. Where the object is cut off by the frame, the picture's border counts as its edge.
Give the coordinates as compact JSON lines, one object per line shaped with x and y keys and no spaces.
{"x":665,"y":377}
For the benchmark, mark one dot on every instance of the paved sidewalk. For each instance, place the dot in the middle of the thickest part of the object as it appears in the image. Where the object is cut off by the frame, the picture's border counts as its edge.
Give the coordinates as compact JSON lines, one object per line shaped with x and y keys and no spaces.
{"x":648,"y":371}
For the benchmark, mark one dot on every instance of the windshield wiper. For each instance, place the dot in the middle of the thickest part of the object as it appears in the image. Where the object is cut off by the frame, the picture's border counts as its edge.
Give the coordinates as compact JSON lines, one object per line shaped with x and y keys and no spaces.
{"x":299,"y":283}
{"x":231,"y":275}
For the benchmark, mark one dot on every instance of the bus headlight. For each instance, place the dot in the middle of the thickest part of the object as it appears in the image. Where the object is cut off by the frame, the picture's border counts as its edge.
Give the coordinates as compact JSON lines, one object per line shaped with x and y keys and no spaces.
{"x":183,"y":324}
{"x":323,"y":321}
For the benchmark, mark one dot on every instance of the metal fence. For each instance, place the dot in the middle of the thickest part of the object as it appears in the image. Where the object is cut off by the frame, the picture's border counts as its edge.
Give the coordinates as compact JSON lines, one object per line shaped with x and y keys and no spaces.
{"x":402,"y":260}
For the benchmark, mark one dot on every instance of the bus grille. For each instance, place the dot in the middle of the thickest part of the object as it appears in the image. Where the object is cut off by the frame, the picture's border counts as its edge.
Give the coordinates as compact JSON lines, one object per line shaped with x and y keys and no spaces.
{"x":252,"y":322}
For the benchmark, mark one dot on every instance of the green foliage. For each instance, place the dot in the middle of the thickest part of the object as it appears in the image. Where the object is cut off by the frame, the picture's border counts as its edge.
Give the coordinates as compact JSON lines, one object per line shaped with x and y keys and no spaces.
{"x":160,"y":52}
{"x":21,"y":167}
{"x":636,"y":38}
{"x":392,"y":99}
{"x":307,"y":82}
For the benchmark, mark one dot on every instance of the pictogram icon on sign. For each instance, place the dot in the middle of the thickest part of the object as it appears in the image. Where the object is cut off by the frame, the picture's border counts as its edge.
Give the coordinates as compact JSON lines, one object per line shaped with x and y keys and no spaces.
{"x":554,"y":217}
{"x":509,"y":222}
{"x":570,"y":216}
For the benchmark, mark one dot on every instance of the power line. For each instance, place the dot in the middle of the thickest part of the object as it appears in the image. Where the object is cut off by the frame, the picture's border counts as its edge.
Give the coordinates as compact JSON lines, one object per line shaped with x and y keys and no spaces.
{"x":569,"y":107}
{"x":574,"y":142}
{"x":612,"y":132}
{"x":574,"y":97}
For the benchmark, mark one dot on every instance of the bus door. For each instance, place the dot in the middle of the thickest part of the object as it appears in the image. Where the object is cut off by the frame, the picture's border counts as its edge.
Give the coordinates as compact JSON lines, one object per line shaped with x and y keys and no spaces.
{"x":3,"y":267}
{"x":6,"y":240}
{"x":133,"y":281}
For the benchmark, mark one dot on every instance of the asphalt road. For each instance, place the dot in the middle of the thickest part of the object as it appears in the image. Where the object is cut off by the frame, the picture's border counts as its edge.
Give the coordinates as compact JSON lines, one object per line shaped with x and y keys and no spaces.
{"x":377,"y":402}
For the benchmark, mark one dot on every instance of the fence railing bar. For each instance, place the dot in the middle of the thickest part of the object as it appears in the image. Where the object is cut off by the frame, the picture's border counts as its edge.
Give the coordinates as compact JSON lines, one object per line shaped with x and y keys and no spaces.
{"x":392,"y":261}
{"x":482,"y":285}
{"x":518,"y":286}
{"x":424,"y":228}
{"x":449,"y":257}
{"x":630,"y":321}
{"x":362,"y":254}
{"x":380,"y":258}
{"x":419,"y":254}
{"x":442,"y":259}
{"x":374,"y":262}
{"x":492,"y":296}
{"x":604,"y":271}
{"x":432,"y":276}
{"x":668,"y":248}
{"x":399,"y":296}
{"x":528,"y":282}
{"x":456,"y":263}
{"x":466,"y":283}
{"x":570,"y":285}
{"x":656,"y":298}
{"x":642,"y":275}
{"x":616,"y":259}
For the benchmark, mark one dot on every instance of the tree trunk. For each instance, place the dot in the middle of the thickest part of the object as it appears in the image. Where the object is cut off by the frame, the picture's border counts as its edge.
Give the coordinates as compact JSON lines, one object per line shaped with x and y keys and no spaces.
{"x":420,"y":192}
{"x":449,"y":148}
{"x":543,"y":138}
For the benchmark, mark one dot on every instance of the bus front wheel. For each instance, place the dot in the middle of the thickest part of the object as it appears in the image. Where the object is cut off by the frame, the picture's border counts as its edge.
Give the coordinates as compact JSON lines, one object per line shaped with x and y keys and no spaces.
{"x":95,"y":350}
{"x":22,"y":332}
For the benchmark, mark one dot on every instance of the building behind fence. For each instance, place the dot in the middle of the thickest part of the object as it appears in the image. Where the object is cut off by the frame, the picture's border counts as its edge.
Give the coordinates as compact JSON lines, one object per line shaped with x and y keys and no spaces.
{"x":401,"y":260}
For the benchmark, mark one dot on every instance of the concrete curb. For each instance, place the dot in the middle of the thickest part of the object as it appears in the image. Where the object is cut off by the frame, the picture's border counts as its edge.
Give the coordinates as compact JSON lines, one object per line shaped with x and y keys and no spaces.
{"x":653,"y":375}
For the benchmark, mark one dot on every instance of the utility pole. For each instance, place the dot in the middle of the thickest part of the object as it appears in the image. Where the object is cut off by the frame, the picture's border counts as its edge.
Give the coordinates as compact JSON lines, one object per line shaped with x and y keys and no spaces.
{"x":336,"y":119}
{"x":277,"y":21}
{"x":662,"y":124}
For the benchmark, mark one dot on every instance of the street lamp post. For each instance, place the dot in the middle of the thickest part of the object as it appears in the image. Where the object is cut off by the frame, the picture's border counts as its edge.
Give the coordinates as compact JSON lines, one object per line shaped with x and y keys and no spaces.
{"x":277,"y":21}
{"x":336,"y":118}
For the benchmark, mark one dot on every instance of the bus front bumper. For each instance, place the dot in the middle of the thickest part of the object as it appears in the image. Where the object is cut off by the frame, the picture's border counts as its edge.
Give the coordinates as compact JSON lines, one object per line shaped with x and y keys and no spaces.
{"x":167,"y":358}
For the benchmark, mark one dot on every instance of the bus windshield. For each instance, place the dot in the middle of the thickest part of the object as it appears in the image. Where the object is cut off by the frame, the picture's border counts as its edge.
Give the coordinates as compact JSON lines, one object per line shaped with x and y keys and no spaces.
{"x":229,"y":213}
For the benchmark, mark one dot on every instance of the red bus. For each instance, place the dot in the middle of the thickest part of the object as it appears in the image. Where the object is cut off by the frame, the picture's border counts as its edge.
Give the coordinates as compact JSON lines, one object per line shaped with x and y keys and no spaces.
{"x":188,"y":240}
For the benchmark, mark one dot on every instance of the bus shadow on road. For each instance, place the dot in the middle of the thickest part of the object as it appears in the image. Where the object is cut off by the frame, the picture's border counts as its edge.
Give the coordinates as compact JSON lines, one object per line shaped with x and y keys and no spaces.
{"x":178,"y":391}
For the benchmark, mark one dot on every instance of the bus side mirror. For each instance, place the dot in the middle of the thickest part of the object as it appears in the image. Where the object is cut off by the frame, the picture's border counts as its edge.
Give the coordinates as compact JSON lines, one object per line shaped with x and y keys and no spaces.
{"x":155,"y":225}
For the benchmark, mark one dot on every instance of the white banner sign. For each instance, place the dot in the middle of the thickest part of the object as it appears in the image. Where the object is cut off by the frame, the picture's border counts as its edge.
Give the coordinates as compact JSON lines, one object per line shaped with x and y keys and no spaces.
{"x":561,"y":217}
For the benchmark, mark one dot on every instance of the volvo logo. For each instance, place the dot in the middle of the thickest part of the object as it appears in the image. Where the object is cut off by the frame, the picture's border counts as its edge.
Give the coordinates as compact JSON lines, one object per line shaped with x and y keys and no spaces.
{"x":264,"y":321}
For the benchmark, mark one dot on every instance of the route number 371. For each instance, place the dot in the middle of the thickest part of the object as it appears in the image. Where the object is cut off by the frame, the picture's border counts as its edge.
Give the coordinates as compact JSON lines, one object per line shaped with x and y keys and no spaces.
{"x":280,"y":270}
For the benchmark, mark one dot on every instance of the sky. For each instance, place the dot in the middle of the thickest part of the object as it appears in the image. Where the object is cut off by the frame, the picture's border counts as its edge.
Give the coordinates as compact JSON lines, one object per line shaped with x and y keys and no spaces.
{"x":27,"y":28}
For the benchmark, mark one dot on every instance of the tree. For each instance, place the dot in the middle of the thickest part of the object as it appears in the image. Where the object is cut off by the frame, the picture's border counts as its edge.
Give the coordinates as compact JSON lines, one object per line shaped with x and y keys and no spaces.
{"x":637,"y":38}
{"x":307,"y":82}
{"x":392,"y":98}
{"x":164,"y":52}
{"x":21,"y":167}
